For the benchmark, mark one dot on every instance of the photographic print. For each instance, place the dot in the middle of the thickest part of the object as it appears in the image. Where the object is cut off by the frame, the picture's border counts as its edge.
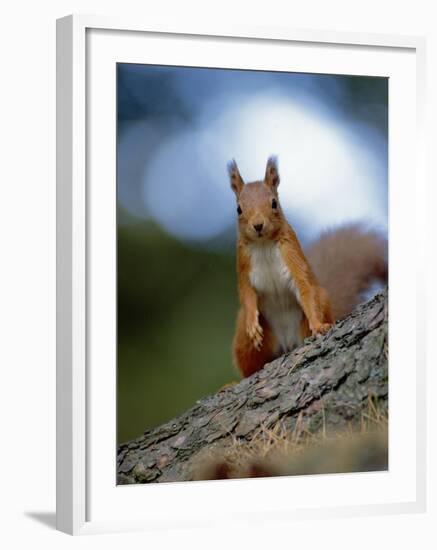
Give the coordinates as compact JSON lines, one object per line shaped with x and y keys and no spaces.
{"x":252,"y":273}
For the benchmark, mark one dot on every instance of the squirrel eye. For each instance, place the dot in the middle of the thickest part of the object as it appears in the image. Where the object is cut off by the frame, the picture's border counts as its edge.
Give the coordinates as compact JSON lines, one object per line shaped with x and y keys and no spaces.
{"x":239,"y":211}
{"x":274,"y":204}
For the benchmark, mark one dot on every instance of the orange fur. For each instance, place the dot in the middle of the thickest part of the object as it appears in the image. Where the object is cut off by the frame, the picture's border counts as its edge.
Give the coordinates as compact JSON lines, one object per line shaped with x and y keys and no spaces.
{"x":314,"y":299}
{"x":254,"y":342}
{"x":335,"y":270}
{"x":346,"y":261}
{"x":247,"y":357}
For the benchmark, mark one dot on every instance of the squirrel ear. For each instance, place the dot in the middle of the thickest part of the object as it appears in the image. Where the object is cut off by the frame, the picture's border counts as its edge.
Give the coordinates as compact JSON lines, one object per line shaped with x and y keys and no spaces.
{"x":272,"y":175}
{"x":237,"y":182}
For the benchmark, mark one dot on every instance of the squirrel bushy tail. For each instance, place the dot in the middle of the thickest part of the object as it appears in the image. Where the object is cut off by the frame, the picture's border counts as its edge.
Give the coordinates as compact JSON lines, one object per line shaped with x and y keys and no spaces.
{"x":346,"y":261}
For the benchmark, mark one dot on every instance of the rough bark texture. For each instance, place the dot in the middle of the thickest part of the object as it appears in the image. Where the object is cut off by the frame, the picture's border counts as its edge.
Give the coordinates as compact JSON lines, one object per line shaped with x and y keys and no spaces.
{"x":327,"y":381}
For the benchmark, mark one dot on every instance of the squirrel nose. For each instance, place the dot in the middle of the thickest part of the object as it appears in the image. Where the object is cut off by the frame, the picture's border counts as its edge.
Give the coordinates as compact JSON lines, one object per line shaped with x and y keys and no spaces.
{"x":258,"y":227}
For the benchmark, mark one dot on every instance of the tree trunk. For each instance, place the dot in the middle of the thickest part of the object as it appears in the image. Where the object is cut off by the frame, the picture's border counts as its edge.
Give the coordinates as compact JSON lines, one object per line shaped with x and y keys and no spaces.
{"x":326,"y":382}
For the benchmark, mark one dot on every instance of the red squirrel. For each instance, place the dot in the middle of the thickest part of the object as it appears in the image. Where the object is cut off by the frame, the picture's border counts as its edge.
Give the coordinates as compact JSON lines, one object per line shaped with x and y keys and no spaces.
{"x":285,"y":294}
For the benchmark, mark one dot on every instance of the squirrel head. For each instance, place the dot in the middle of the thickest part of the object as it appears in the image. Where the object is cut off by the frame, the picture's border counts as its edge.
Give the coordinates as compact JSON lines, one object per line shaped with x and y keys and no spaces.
{"x":260,"y":216}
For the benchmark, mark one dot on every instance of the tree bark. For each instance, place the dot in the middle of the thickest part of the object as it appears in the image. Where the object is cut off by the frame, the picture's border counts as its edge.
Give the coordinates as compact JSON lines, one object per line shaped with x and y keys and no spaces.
{"x":326,"y":382}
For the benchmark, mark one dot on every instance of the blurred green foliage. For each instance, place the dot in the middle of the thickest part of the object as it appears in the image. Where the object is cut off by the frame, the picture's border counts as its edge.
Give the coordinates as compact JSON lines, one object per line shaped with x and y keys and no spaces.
{"x":175,"y":321}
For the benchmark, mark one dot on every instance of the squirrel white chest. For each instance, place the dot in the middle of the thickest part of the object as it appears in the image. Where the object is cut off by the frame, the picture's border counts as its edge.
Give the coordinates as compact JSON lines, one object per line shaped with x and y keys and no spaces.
{"x":277,"y":294}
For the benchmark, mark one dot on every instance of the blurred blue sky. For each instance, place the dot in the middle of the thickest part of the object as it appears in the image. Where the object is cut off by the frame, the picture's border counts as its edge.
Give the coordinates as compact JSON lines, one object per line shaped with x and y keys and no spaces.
{"x":178,"y":127}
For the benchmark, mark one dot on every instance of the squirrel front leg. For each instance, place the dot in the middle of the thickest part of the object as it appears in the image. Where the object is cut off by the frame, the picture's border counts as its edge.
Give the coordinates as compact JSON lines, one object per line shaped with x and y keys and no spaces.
{"x":319,"y":320}
{"x":249,"y":302}
{"x":312,"y":298}
{"x":248,"y":299}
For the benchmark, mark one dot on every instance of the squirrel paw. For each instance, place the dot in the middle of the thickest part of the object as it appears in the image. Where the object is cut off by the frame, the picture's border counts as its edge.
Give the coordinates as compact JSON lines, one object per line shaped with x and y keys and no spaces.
{"x":320,"y":328}
{"x":255,"y":333}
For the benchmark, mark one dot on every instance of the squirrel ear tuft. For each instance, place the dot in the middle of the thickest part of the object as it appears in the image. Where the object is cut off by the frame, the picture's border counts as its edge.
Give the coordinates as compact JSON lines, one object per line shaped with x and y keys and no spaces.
{"x":236,"y":180}
{"x":272,"y":175}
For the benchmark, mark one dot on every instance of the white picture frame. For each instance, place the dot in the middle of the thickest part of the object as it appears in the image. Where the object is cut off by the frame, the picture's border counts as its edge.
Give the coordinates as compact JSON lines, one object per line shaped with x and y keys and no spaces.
{"x":76,"y":212}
